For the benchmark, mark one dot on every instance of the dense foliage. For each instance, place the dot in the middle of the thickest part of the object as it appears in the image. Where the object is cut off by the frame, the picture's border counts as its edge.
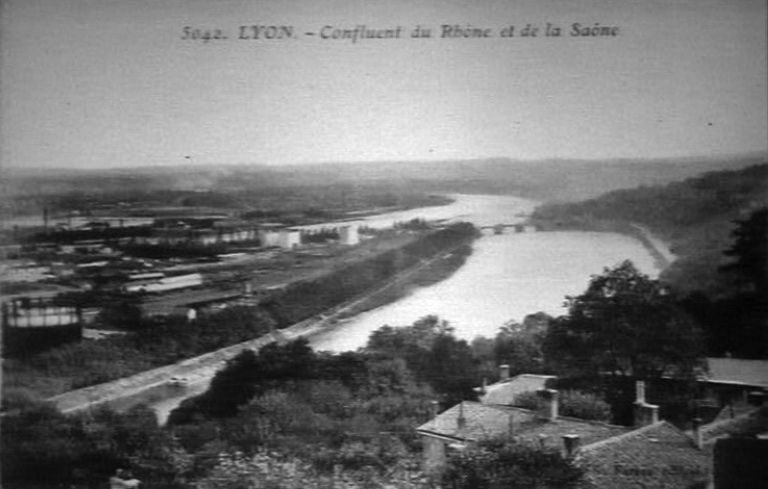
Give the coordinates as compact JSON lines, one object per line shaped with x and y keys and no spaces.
{"x":433,"y":354}
{"x":353,"y":411}
{"x":737,"y":324}
{"x":749,"y":253}
{"x":625,"y":323}
{"x":519,"y":346}
{"x":574,"y":403}
{"x":501,"y":464}
{"x":43,"y":448}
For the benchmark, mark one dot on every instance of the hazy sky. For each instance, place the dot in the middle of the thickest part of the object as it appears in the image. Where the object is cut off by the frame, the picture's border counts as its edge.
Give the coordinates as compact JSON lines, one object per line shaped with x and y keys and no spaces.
{"x":108,"y":83}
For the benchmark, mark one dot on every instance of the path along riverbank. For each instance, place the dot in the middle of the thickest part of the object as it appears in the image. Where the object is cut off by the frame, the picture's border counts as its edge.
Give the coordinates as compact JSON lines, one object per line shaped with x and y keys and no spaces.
{"x":154,"y":387}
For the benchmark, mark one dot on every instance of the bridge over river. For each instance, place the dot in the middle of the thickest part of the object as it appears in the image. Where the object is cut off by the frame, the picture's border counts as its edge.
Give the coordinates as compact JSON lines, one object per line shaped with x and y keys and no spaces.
{"x":517,"y":227}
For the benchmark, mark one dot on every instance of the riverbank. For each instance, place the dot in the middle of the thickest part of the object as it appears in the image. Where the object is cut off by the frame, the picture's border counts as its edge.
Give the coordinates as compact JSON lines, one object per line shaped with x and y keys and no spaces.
{"x":431,"y":258}
{"x":659,"y":251}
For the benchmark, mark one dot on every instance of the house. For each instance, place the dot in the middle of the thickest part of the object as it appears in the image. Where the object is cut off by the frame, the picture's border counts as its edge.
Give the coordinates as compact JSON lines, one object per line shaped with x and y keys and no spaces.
{"x":737,"y":440}
{"x":507,"y":389}
{"x":729,"y":381}
{"x":269,"y":237}
{"x":289,"y":239}
{"x":749,"y":421}
{"x":653,"y":454}
{"x":738,"y":371}
{"x":469,"y":422}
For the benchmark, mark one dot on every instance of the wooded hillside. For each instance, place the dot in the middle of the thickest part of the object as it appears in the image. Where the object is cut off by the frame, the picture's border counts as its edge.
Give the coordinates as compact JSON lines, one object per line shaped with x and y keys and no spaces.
{"x":695,"y":216}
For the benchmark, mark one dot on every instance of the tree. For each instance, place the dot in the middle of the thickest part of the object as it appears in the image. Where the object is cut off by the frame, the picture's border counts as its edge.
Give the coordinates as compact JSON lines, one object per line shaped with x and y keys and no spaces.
{"x":738,"y":324}
{"x":45,"y":448}
{"x":433,"y":354}
{"x":574,"y":403}
{"x":124,"y":312}
{"x":499,"y":463}
{"x":750,"y":251}
{"x":625,"y":323}
{"x":247,"y":375}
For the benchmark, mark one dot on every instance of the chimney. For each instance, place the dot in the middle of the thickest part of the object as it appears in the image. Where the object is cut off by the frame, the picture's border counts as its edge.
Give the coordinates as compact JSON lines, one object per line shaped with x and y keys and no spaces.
{"x":461,"y":422}
{"x":698,"y":436}
{"x":549,"y":410}
{"x":571,"y":444}
{"x":639,"y":392}
{"x":434,"y":406}
{"x":503,"y":373}
{"x":644,"y":413}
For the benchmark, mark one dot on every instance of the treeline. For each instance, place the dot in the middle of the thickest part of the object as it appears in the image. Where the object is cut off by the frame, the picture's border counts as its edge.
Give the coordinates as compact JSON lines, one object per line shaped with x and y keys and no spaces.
{"x":257,"y":192}
{"x":304,"y":299}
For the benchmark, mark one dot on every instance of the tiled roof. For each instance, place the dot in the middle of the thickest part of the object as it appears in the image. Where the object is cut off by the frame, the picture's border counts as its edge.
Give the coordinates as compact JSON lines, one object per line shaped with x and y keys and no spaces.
{"x":481,"y":421}
{"x":488,"y":420}
{"x":754,"y":422}
{"x":504,"y":392}
{"x":738,"y":371}
{"x":655,"y":456}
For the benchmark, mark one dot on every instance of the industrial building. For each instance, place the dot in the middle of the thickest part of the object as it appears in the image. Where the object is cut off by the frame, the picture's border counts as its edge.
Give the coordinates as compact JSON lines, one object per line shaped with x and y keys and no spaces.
{"x":35,"y":324}
{"x":348,"y":235}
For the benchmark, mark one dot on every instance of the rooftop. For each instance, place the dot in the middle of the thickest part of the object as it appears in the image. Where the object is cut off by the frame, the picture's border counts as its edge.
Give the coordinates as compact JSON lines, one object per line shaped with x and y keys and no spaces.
{"x":657,"y":455}
{"x":738,"y":371}
{"x":752,"y":423}
{"x":505,"y":391}
{"x":488,"y":420}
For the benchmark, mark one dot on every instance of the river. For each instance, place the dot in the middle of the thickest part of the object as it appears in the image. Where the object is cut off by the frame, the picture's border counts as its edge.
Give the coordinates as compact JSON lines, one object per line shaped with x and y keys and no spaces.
{"x":507,"y":277}
{"x":481,"y":210}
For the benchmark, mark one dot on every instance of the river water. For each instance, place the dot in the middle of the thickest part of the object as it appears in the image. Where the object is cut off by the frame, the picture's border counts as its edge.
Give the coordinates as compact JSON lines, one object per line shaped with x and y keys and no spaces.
{"x":507,"y":276}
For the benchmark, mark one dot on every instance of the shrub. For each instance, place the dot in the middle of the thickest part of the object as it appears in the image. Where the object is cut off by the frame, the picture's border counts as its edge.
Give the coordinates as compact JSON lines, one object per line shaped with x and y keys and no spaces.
{"x":497,"y":464}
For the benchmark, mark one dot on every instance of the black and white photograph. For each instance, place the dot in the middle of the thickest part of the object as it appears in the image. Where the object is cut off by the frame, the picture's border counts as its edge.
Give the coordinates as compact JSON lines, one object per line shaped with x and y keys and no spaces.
{"x":349,"y":244}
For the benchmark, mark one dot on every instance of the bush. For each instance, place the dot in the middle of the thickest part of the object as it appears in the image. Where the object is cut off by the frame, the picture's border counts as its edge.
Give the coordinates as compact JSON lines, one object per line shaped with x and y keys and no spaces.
{"x":584,"y":405}
{"x":497,"y":464}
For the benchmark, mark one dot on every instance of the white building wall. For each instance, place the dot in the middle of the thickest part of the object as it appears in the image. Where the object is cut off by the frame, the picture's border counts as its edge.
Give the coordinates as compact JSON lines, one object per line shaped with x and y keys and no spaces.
{"x":289,"y":239}
{"x":269,"y":238}
{"x":349,"y":235}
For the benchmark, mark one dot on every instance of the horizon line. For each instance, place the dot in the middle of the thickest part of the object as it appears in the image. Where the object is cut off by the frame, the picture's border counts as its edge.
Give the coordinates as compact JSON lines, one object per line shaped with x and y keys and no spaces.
{"x":508,"y":159}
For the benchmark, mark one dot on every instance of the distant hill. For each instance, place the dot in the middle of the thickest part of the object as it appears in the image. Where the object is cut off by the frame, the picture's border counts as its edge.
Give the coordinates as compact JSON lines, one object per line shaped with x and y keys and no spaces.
{"x":696,"y":216}
{"x":557,"y":179}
